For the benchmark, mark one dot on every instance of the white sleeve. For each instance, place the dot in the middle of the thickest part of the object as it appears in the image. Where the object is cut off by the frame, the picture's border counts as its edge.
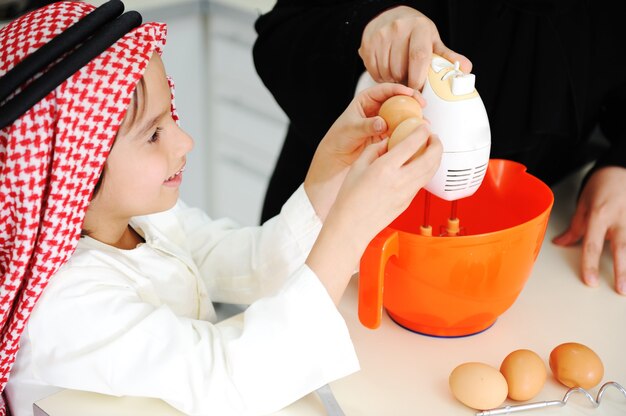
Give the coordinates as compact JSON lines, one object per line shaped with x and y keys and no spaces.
{"x":91,"y":331}
{"x":240,"y":265}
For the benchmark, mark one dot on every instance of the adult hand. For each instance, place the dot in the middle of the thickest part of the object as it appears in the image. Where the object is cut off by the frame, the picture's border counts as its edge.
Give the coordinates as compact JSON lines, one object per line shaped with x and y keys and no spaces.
{"x":600,"y":215}
{"x":397,"y":45}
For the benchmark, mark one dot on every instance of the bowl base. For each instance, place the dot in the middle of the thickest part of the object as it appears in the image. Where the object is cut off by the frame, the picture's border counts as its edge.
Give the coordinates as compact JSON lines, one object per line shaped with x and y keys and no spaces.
{"x":439,"y":332}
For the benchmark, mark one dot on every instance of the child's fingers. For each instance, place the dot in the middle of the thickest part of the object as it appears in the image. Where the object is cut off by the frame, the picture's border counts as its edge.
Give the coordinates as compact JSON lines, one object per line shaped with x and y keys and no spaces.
{"x":404,"y":150}
{"x":432,"y":155}
{"x":367,"y":127}
{"x":372,"y":152}
{"x":372,"y":98}
{"x":425,"y":165}
{"x":377,"y":150}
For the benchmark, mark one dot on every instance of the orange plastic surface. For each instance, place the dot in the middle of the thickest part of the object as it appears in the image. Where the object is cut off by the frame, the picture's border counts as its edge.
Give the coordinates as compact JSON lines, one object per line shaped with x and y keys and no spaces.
{"x":455,"y":286}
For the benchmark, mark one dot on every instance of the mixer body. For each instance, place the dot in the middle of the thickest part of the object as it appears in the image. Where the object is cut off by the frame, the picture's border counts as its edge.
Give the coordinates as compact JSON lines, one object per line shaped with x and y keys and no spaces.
{"x":458,"y":116}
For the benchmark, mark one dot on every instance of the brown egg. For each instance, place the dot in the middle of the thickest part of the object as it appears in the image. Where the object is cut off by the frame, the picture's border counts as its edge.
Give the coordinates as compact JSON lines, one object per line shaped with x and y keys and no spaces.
{"x":525,"y":374}
{"x":397,"y":109}
{"x":576,"y":365}
{"x":405,"y":128}
{"x":478,"y":386}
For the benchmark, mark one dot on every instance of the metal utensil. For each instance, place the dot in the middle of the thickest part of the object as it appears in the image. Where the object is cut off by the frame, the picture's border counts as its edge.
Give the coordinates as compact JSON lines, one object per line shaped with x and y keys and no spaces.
{"x":505,"y":410}
{"x":328,"y":400}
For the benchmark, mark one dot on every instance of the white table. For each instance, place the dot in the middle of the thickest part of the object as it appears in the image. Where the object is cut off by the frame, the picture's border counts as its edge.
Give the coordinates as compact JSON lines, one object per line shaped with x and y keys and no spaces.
{"x":403,"y":373}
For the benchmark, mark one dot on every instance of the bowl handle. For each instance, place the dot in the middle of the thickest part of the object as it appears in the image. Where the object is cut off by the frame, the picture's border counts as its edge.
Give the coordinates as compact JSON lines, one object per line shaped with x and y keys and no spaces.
{"x":372,"y":276}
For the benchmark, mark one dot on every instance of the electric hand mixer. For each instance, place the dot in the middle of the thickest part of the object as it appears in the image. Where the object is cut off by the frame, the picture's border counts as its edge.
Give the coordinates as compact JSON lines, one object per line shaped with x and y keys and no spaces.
{"x":458,"y":116}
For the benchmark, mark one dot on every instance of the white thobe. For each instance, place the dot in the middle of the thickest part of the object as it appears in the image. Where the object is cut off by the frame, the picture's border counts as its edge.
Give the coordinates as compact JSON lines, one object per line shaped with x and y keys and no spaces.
{"x":141,"y":322}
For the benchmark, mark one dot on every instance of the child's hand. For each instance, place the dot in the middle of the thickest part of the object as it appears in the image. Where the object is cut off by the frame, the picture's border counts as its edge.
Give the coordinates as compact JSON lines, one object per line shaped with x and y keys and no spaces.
{"x":379,"y":186}
{"x":357,"y":127}
{"x":360,"y":125}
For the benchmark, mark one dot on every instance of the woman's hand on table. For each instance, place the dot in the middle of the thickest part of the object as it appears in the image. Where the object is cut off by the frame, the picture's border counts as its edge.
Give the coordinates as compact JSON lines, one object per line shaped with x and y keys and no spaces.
{"x":600,"y":215}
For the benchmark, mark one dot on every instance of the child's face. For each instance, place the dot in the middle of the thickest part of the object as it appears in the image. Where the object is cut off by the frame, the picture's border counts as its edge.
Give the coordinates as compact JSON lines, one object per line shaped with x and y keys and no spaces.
{"x":144,"y":167}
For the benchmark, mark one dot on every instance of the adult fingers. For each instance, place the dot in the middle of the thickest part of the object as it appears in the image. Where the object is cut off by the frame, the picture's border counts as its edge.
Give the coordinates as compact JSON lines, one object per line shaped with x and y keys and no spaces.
{"x":576,"y":230}
{"x":618,"y":249}
{"x":382,"y":56}
{"x":419,"y":57}
{"x":398,"y":61}
{"x":593,"y":242}
{"x":442,"y":50}
{"x":375,"y":55}
{"x":424,"y":41}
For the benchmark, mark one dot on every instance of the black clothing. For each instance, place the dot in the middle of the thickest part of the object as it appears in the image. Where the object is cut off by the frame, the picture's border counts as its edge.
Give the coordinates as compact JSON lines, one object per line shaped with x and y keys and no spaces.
{"x":549,"y":72}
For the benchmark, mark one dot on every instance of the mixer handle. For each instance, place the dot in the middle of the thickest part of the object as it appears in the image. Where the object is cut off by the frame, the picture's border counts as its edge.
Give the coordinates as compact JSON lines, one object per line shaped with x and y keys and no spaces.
{"x":372,"y":276}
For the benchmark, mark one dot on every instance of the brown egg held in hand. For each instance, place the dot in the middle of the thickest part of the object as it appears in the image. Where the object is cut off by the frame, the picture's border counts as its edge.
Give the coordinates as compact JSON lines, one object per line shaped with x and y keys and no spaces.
{"x":397,"y":109}
{"x":478,"y":386}
{"x":525,"y":374}
{"x":576,"y":365}
{"x":405,"y":128}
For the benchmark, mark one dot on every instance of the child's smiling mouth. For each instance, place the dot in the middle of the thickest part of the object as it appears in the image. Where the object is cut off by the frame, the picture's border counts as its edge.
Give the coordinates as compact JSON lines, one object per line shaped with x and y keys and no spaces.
{"x":177,"y":177}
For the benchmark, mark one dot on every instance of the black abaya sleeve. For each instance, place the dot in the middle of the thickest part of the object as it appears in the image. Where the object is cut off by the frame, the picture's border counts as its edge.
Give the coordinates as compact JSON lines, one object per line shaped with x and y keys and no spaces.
{"x":306,"y":55}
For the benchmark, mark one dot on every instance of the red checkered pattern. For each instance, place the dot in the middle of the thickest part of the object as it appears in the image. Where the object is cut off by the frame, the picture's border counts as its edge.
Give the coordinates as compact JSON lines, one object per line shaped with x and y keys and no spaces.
{"x":52,"y":156}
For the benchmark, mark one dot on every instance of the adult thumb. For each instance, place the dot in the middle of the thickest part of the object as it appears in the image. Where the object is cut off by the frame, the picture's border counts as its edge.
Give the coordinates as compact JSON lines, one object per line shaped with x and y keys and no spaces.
{"x":464,"y":63}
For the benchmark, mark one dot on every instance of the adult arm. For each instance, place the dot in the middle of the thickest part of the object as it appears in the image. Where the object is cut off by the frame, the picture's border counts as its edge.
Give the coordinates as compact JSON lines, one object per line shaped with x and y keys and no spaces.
{"x":306,"y":54}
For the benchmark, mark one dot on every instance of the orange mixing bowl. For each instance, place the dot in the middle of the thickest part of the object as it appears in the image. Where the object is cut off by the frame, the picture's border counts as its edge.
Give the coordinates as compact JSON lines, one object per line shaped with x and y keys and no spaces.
{"x":456,"y":286}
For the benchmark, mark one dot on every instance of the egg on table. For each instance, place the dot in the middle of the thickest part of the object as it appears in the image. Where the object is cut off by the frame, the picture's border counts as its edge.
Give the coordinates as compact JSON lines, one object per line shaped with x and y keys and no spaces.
{"x":478,"y":385}
{"x":525,"y":374}
{"x":576,"y":365}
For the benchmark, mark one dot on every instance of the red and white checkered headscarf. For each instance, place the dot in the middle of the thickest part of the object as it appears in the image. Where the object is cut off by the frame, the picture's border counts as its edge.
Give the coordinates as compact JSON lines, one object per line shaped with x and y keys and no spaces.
{"x":52,"y":156}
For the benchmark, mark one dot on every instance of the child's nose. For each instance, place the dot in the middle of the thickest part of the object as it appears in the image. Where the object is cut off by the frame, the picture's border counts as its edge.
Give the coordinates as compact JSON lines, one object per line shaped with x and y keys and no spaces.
{"x":184,"y":142}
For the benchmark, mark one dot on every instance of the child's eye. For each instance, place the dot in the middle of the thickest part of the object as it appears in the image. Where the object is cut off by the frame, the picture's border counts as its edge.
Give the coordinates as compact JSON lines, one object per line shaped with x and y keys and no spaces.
{"x":155,"y":137}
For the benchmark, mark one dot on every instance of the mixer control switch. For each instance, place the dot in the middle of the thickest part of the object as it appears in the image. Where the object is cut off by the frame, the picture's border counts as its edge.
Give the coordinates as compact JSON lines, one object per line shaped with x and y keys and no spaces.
{"x":462,"y":84}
